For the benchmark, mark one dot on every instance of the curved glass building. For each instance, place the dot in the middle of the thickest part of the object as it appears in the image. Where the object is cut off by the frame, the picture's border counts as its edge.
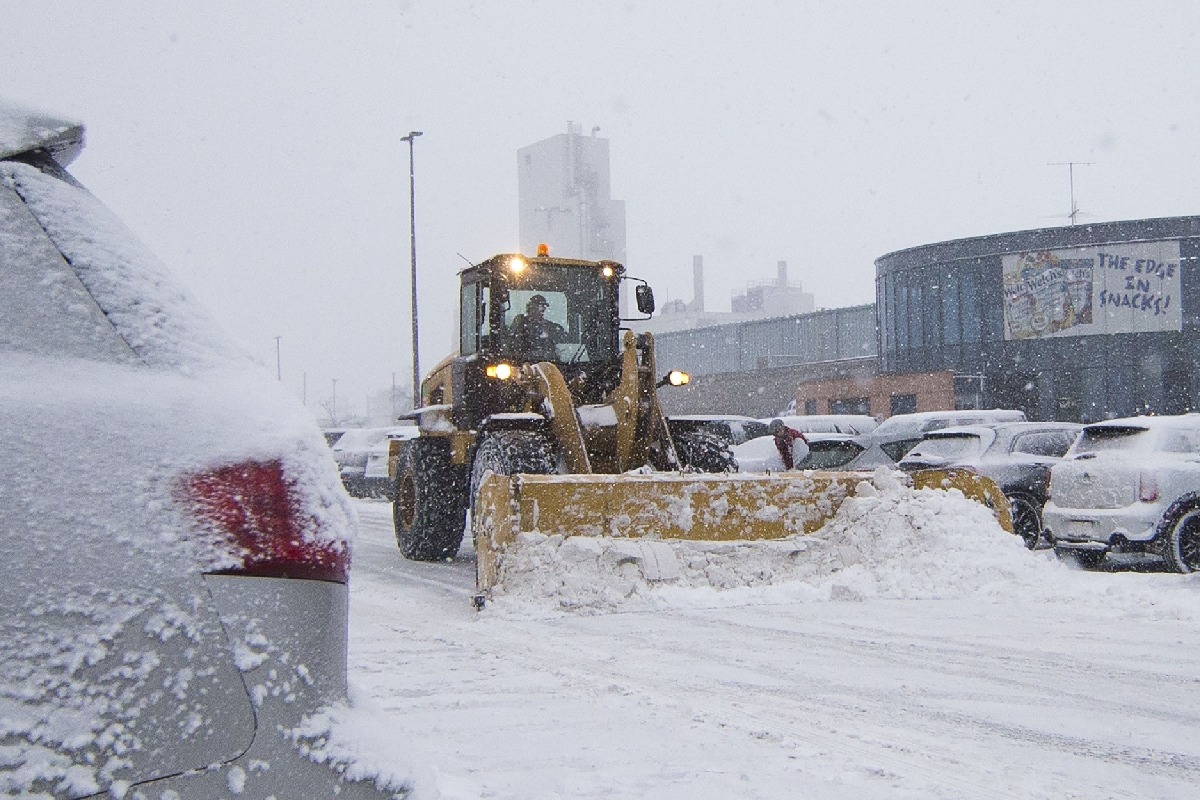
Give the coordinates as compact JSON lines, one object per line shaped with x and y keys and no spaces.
{"x":1070,"y":323}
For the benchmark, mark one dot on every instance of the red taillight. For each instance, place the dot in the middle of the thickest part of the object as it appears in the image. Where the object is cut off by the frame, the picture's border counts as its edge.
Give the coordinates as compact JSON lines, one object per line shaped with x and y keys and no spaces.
{"x":253,"y":507}
{"x":1147,"y":488}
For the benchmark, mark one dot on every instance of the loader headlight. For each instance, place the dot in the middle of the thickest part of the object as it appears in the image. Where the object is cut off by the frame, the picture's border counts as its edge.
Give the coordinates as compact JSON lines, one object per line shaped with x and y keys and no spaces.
{"x":675,"y":377}
{"x":517,"y":264}
{"x":499,"y":371}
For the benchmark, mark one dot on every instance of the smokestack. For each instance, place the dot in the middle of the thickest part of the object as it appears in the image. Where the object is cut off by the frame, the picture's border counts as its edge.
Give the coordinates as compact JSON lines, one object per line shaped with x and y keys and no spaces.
{"x":782,"y":267}
{"x":698,"y":284}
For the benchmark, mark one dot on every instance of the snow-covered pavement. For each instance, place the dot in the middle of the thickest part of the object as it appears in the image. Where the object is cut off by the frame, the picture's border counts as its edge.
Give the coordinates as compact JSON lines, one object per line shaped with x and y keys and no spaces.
{"x":951,"y":665}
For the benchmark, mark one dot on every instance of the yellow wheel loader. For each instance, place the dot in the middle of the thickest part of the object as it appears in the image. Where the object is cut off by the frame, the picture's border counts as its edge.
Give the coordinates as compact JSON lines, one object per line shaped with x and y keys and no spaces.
{"x":543,"y":382}
{"x":547,"y":419}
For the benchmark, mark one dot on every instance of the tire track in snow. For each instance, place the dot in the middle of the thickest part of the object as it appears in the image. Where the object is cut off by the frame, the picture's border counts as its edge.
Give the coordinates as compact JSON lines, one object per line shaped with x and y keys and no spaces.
{"x":1052,"y":675}
{"x":841,"y":732}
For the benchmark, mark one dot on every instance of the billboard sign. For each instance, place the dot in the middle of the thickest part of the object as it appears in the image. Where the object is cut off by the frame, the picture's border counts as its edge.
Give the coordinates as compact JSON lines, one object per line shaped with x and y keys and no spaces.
{"x":1081,"y":291}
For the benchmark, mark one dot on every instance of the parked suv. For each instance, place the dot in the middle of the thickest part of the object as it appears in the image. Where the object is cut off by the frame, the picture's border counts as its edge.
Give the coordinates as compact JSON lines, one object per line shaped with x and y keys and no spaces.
{"x":1129,"y":485}
{"x":176,"y":543}
{"x":1018,"y":456}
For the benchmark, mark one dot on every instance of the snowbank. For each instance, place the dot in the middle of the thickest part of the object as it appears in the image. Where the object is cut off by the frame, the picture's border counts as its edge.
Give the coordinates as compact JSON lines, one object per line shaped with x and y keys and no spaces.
{"x":889,"y":541}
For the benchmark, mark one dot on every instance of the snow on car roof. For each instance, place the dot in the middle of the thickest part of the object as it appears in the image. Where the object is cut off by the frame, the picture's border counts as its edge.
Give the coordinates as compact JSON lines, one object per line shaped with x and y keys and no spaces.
{"x":1150,"y":422}
{"x":24,"y":129}
{"x":362,"y":438}
{"x":916,"y":420}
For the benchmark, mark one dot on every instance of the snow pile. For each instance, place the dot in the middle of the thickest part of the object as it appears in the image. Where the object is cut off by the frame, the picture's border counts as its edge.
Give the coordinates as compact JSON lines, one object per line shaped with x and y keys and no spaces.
{"x":887,"y":541}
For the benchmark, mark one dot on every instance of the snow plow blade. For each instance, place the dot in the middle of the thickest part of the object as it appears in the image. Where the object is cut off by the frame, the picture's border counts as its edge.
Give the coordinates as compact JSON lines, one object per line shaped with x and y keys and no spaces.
{"x":666,"y":506}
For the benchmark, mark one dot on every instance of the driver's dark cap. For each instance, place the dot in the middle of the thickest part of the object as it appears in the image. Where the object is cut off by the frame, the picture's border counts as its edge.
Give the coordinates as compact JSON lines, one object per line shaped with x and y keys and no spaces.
{"x":539,"y":300}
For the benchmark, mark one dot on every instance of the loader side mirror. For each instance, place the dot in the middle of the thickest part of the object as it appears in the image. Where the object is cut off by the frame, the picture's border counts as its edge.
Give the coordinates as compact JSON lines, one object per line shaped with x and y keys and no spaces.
{"x":645,"y":298}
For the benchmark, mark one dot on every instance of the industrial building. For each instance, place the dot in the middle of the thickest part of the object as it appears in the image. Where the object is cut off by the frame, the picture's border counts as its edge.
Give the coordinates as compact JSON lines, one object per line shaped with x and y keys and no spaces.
{"x":564,"y":198}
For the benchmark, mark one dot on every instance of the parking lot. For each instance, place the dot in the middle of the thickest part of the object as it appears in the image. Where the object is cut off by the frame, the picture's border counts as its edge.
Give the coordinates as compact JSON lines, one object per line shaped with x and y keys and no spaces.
{"x":998,"y":674}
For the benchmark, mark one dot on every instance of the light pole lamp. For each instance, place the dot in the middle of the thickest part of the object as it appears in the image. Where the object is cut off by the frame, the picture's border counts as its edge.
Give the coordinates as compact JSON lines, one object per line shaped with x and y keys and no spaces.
{"x":412,"y":236}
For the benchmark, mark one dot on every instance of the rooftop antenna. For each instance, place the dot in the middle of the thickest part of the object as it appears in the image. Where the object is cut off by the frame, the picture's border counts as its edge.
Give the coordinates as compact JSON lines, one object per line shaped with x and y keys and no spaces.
{"x":1070,"y":165}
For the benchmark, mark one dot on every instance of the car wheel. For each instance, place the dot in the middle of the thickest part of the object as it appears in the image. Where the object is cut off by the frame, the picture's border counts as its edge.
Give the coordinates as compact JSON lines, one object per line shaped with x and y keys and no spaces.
{"x":1085,"y":559}
{"x":1181,"y":549}
{"x":1026,"y":520}
{"x":703,"y":452}
{"x":429,"y":506}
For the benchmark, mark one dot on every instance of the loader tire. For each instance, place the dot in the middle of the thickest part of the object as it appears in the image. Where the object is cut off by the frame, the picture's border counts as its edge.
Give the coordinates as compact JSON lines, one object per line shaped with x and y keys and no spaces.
{"x":510,"y":453}
{"x":429,"y":501}
{"x":703,"y":452}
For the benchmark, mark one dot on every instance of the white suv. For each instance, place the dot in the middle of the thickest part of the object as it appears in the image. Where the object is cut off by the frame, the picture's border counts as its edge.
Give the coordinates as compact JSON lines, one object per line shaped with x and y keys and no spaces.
{"x":1129,"y":485}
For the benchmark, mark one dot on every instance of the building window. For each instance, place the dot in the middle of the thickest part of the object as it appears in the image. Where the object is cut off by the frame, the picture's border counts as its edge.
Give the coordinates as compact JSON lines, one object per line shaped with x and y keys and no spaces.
{"x":810,"y":406}
{"x":850,"y":405}
{"x":951,"y":324}
{"x":904,"y":404}
{"x":971,"y":307}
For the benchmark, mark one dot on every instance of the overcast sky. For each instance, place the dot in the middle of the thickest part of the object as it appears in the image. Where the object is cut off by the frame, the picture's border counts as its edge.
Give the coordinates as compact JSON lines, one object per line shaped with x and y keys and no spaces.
{"x":256,"y":146}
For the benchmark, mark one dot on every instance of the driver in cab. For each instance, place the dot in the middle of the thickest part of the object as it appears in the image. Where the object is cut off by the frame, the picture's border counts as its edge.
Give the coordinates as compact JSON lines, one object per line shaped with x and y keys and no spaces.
{"x":533,"y":335}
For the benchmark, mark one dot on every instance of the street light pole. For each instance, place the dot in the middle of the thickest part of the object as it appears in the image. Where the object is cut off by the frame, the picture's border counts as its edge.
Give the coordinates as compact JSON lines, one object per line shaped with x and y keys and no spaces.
{"x":278,"y":361}
{"x":412,"y":234}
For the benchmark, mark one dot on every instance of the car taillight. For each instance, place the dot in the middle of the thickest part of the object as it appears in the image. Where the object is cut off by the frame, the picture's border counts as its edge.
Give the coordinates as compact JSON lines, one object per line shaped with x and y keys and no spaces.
{"x":1147,"y":488}
{"x":254,"y":508}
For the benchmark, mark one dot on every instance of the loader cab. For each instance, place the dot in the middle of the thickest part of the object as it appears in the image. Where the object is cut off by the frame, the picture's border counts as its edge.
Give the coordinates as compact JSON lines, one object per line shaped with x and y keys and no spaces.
{"x":577,"y":326}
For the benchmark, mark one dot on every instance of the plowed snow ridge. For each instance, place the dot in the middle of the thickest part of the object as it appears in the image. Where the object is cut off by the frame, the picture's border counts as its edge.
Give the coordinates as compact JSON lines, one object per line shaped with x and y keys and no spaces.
{"x":888,"y":541}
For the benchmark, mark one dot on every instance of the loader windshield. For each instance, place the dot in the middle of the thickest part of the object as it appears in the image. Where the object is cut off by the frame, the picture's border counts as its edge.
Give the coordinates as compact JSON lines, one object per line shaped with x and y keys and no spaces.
{"x":565,"y":315}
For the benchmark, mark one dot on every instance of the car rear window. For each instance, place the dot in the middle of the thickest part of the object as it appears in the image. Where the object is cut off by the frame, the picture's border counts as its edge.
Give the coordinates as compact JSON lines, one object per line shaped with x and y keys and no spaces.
{"x":1107,"y":438}
{"x":1179,"y":440}
{"x":896,"y":450}
{"x":44,"y":308}
{"x":753,"y":430}
{"x":829,"y":454}
{"x":138,"y":296}
{"x":1044,"y":443}
{"x":952,"y":447}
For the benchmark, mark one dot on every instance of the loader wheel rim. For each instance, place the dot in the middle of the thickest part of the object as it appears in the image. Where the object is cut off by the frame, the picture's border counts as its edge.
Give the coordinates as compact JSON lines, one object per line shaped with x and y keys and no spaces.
{"x":406,"y":502}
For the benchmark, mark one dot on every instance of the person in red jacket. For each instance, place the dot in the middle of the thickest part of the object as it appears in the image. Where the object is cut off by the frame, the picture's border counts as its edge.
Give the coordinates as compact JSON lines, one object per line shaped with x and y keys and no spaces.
{"x":785,"y":442}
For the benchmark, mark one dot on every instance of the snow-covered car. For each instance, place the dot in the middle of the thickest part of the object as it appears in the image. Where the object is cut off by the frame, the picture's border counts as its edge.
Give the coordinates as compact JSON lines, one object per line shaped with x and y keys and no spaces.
{"x":899,"y":433}
{"x":1129,"y":485}
{"x":351,"y":452}
{"x":377,"y":474}
{"x":1018,"y":456}
{"x":174,"y":579}
{"x":731,"y":428}
{"x":704,"y":442}
{"x":826,"y":451}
